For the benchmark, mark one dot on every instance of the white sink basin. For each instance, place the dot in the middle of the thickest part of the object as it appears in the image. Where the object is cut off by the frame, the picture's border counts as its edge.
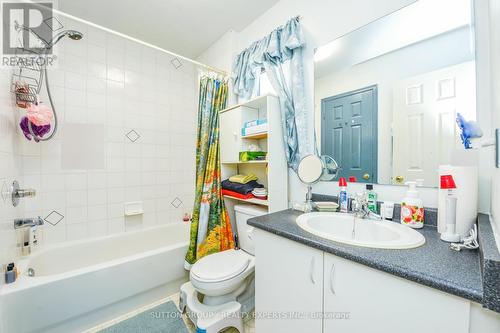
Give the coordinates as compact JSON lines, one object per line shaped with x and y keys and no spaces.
{"x":345,"y":228}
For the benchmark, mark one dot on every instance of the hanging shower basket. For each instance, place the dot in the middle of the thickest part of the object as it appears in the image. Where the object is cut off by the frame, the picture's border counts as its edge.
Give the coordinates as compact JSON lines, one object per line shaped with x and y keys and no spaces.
{"x":26,"y":84}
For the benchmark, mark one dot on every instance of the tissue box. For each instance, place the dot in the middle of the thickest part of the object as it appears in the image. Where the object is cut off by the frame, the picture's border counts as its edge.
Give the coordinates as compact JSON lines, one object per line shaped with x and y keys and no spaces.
{"x":254,"y":129}
{"x":246,"y":156}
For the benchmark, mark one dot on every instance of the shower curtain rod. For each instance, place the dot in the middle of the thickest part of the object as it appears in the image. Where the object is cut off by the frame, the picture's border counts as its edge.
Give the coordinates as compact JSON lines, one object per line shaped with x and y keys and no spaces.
{"x":197,"y":63}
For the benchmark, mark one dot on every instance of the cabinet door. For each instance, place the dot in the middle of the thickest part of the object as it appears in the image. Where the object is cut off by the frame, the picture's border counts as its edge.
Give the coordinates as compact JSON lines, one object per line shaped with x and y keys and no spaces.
{"x":362,"y":299}
{"x":230,"y":139}
{"x":288,"y":285}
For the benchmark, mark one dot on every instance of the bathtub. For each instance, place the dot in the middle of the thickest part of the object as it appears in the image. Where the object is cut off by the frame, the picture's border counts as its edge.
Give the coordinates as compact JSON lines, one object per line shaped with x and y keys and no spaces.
{"x":78,"y":285}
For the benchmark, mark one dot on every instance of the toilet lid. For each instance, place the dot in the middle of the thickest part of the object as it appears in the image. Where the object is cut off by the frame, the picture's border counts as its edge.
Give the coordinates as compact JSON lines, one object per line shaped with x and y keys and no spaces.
{"x":220,"y":266}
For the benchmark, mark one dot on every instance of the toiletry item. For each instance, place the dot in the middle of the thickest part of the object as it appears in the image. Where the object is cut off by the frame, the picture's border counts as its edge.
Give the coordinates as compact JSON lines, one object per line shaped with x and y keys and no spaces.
{"x":371,"y":195}
{"x":10,"y":273}
{"x":255,"y":122}
{"x":246,"y":156}
{"x":343,"y":196}
{"x":387,"y":210}
{"x":262,"y":128}
{"x":447,"y":183}
{"x":412,"y":208}
{"x":466,"y":192}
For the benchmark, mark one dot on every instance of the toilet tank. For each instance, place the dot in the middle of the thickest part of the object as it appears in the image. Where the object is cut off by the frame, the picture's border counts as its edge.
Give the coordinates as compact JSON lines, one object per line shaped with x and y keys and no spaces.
{"x":243,"y":213}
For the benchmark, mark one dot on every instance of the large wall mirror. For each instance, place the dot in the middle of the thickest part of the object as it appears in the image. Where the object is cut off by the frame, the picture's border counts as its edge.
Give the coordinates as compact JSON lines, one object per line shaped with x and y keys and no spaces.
{"x":387,"y":94}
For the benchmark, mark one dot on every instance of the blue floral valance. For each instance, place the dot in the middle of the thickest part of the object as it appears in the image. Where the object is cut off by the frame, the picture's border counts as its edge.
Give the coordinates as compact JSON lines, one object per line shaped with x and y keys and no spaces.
{"x":269,"y":53}
{"x":277,"y":47}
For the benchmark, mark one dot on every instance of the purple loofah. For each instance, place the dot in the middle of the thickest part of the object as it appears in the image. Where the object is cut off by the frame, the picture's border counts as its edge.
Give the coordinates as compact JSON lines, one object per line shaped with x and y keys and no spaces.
{"x":39,"y":131}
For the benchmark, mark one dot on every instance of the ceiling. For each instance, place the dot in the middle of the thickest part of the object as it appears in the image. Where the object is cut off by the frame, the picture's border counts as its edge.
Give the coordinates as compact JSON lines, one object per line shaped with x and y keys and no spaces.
{"x":186,"y":27}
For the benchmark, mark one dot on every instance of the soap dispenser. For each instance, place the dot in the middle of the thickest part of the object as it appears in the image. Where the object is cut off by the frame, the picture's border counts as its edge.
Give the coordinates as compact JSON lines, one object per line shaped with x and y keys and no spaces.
{"x":412,"y":208}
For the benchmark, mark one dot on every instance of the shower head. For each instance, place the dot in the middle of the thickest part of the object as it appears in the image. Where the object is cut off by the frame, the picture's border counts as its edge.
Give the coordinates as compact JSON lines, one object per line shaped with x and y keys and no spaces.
{"x":72,"y":34}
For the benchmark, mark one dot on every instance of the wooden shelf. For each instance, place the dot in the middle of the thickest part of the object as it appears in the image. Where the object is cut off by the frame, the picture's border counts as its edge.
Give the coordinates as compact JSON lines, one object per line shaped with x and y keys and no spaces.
{"x":262,"y":135}
{"x":247,"y":162}
{"x":252,"y":200}
{"x":255,"y":103}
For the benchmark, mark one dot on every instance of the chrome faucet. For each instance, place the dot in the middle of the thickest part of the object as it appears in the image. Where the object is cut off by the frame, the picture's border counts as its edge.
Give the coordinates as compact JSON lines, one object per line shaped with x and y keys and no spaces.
{"x":359,"y":207}
{"x":28,"y":222}
{"x":17,"y":193}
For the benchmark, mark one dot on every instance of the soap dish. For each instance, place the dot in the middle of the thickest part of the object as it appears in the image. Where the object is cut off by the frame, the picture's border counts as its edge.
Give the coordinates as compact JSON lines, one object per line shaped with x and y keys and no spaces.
{"x":326,"y":206}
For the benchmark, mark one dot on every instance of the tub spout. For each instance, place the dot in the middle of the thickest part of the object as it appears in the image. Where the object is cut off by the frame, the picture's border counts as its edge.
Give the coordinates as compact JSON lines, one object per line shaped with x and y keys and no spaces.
{"x":29,"y":222}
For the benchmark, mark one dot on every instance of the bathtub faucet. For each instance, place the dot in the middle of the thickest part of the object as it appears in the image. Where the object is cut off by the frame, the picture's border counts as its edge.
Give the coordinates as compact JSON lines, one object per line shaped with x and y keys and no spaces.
{"x":28,"y":222}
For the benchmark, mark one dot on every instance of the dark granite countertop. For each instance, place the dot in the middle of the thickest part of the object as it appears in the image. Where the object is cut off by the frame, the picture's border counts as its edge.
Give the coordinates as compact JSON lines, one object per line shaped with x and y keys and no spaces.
{"x":490,"y":261}
{"x":433,"y":264}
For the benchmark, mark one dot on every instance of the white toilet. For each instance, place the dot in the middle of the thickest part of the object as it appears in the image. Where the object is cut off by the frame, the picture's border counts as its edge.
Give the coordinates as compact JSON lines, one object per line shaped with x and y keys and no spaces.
{"x":221,"y":287}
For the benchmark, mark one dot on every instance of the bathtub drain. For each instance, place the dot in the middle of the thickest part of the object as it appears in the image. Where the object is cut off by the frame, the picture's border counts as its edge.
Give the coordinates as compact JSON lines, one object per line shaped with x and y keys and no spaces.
{"x":31,"y":272}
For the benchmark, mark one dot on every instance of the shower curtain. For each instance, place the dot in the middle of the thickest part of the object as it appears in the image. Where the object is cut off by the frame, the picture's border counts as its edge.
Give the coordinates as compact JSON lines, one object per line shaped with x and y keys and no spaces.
{"x":210,"y":226}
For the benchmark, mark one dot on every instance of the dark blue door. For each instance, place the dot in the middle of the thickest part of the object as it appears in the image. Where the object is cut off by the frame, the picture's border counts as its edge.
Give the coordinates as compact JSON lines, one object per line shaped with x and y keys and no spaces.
{"x":349,"y":133}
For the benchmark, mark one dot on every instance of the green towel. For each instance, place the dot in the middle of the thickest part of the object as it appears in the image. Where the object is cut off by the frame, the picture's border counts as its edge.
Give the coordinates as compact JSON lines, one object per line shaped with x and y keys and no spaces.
{"x":242,"y":179}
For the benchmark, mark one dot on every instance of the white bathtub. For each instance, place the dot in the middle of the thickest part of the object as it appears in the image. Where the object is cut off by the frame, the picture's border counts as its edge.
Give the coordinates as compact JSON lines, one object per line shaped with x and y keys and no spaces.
{"x":78,"y":285}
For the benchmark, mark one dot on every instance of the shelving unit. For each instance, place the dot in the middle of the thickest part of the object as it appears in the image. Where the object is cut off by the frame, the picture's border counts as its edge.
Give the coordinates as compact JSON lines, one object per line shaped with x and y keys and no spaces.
{"x":257,"y":136}
{"x":246,"y":162}
{"x":272,"y":172}
{"x":251,"y":201}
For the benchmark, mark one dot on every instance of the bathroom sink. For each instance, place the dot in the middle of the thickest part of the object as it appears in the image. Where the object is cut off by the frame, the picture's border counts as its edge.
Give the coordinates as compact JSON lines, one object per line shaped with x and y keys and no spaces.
{"x":345,"y":228}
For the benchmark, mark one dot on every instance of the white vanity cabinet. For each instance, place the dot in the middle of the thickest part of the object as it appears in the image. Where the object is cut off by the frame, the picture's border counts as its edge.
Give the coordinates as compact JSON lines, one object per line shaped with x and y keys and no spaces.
{"x":358,"y":298}
{"x":288,"y":285}
{"x":292,"y":278}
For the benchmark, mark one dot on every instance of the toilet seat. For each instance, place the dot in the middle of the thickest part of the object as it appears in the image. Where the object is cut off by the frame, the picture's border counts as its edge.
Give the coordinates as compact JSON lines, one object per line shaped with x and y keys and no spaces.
{"x":221,"y":266}
{"x":222,"y":273}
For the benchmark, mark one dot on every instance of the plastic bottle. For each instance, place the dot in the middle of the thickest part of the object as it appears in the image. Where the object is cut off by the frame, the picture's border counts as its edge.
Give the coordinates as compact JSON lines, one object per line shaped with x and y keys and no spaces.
{"x":372,"y":198}
{"x":343,"y":196}
{"x":412,"y":208}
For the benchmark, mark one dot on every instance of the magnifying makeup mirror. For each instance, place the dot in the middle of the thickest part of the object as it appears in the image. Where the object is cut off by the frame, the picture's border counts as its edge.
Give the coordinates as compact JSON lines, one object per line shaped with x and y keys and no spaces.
{"x":310,"y":171}
{"x":330,"y":168}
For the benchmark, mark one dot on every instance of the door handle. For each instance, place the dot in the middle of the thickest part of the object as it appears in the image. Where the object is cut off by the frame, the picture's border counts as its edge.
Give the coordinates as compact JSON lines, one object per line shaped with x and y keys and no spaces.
{"x":399,"y":179}
{"x":366,"y":176}
{"x":313,"y":280}
{"x":332,"y":275}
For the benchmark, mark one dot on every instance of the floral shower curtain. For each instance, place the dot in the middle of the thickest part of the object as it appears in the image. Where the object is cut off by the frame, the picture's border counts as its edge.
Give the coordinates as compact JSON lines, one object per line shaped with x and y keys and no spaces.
{"x":210,"y":227}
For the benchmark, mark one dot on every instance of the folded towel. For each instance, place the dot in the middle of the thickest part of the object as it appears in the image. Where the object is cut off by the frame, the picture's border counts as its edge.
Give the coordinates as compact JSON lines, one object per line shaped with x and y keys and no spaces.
{"x":236,"y":194}
{"x":242,"y":179}
{"x":260,"y":193}
{"x":240,"y":188}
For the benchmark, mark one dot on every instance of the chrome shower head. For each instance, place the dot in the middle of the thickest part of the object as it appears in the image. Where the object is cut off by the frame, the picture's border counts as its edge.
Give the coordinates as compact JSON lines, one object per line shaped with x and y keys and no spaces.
{"x":72,"y":34}
{"x":75,"y":35}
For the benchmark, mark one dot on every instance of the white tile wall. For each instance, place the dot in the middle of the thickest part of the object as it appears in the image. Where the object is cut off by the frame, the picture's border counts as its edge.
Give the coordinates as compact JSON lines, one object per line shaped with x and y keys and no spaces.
{"x":104,"y":80}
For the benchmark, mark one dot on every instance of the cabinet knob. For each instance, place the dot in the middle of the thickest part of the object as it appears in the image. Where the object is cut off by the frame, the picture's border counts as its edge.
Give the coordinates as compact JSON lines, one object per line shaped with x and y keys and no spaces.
{"x":366,"y":176}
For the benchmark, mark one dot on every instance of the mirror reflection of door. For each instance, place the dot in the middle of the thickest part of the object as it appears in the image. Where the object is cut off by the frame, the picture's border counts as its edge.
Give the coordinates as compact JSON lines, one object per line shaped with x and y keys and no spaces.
{"x":424,"y":112}
{"x":349,"y":133}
